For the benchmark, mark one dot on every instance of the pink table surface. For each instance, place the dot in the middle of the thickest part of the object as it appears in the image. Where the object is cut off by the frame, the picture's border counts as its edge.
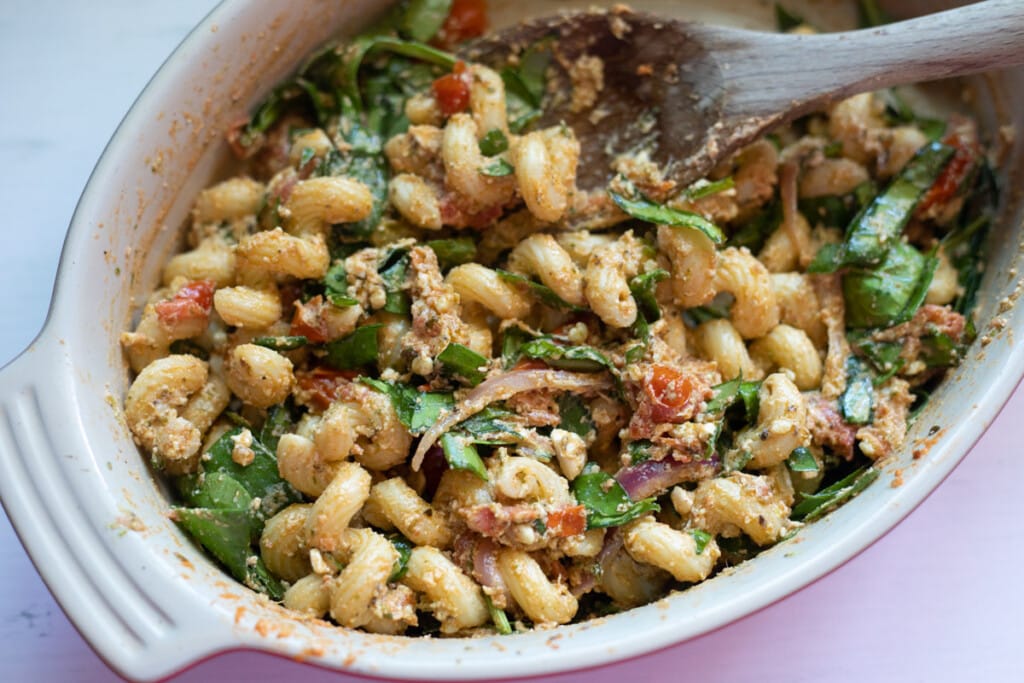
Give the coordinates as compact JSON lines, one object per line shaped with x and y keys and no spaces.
{"x":940,"y":598}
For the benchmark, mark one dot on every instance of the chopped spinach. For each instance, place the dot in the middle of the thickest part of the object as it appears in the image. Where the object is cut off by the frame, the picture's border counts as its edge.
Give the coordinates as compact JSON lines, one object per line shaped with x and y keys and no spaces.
{"x":814,"y":505}
{"x":461,"y":454}
{"x":858,"y":398}
{"x":464,"y":362}
{"x":606,"y":501}
{"x":644,"y":209}
{"x":417,"y":410}
{"x":355,"y":350}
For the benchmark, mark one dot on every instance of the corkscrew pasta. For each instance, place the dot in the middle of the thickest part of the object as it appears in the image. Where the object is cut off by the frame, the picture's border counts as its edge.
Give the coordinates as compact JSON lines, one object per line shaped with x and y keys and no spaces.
{"x":433,"y":385}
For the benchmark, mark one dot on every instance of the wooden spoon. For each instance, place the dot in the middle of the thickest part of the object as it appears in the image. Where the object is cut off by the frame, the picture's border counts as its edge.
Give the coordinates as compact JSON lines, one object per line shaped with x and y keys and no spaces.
{"x":691,"y":94}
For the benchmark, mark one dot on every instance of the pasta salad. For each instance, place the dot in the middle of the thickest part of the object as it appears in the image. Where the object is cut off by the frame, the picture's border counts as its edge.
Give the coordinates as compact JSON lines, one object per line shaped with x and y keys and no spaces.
{"x":408,"y":376}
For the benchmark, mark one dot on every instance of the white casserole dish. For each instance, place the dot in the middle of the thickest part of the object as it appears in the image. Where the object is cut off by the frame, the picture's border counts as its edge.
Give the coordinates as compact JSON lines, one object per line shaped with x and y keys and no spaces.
{"x":75,"y":486}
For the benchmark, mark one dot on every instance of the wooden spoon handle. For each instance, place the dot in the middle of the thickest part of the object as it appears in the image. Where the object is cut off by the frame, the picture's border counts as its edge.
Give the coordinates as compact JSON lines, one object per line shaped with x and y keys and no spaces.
{"x":812,"y":70}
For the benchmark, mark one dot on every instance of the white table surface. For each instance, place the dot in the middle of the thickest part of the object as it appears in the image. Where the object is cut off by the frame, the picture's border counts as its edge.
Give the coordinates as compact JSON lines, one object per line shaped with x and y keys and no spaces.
{"x":938,"y":599}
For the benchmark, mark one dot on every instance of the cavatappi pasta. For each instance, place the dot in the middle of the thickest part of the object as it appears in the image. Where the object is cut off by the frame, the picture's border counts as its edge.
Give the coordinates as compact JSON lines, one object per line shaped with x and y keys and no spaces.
{"x":408,"y":377}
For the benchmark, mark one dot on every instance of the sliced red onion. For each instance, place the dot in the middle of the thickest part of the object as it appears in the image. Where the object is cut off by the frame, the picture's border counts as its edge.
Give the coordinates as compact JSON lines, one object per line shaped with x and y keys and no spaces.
{"x":505,"y":386}
{"x":434,"y":466}
{"x":654,"y":476}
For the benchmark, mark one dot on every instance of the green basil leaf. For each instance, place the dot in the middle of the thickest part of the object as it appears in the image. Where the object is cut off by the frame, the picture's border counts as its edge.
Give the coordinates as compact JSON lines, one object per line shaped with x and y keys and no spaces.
{"x":756,"y":231}
{"x":575,"y":358}
{"x":260,"y":477}
{"x":574,"y":416}
{"x":226,"y":535}
{"x":540,"y":291}
{"x":356,"y":350}
{"x":493,"y":142}
{"x":285,"y":343}
{"x":453,"y":252}
{"x":463,"y":362}
{"x":336,"y":286}
{"x":498,"y":617}
{"x":277,"y":424}
{"x":492,"y":426}
{"x":700,"y":539}
{"x":404,"y":547}
{"x":424,"y":18}
{"x":889,"y":293}
{"x":858,"y":398}
{"x":639,"y":451}
{"x":659,"y":214}
{"x":606,"y":501}
{"x":642,"y":287}
{"x":497,"y":169}
{"x":705,"y":188}
{"x":815,"y":505}
{"x":461,"y":454}
{"x":417,"y":410}
{"x":802,"y":460}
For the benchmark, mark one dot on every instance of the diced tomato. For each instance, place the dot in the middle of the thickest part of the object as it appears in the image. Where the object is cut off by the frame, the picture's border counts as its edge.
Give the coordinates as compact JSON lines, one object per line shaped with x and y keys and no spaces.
{"x":466,"y":19}
{"x":671,"y":395}
{"x":452,"y":90}
{"x":322,"y":386}
{"x":956,"y":171}
{"x":567,"y":521}
{"x":308,"y":321}
{"x":190,"y":306}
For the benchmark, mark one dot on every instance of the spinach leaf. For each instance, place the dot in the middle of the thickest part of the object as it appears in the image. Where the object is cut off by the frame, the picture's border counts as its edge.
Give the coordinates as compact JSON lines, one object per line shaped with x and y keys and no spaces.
{"x":538,"y":290}
{"x":260,"y":478}
{"x":705,"y":188}
{"x":225,"y":533}
{"x":417,"y":410}
{"x":464,"y":362}
{"x":802,"y":460}
{"x":525,"y":84}
{"x":404,"y":547}
{"x":728,"y":393}
{"x":356,"y":350}
{"x":883,"y":356}
{"x":424,"y":18}
{"x":499,"y":168}
{"x":755,"y":232}
{"x":493,"y":142}
{"x":575,"y":358}
{"x":891,"y":292}
{"x":878,"y":226}
{"x":642,"y":287}
{"x":336,"y":286}
{"x":815,"y":505}
{"x":492,"y":426}
{"x":700,"y":539}
{"x":393,"y":271}
{"x":285,"y":343}
{"x":838,"y":210}
{"x":512,"y":341}
{"x":574,"y":415}
{"x":639,"y":451}
{"x":646,"y":210}
{"x":606,"y":501}
{"x":858,"y":398}
{"x":454,"y":251}
{"x":277,"y":424}
{"x":461,"y":454}
{"x":363,"y":162}
{"x":498,"y":617}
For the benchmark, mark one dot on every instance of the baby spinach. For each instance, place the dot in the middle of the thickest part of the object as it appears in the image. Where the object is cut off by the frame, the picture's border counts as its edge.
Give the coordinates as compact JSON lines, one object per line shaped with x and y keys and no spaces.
{"x":464,"y":362}
{"x":891,"y":292}
{"x":607,"y":503}
{"x":574,"y":415}
{"x":814,"y":505}
{"x":575,"y":358}
{"x":857,"y":399}
{"x":542,"y":292}
{"x":644,"y":209}
{"x":453,"y":251}
{"x":461,"y":454}
{"x":417,"y":410}
{"x":285,"y":343}
{"x":355,"y":350}
{"x":424,"y":18}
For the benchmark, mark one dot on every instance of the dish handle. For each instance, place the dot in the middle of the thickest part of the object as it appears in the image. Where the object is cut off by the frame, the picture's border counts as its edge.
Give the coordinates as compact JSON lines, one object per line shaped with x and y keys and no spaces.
{"x":141,"y":635}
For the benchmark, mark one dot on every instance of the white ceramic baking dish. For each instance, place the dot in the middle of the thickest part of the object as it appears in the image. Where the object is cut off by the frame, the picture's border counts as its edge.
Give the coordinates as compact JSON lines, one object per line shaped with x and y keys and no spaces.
{"x":93,"y":518}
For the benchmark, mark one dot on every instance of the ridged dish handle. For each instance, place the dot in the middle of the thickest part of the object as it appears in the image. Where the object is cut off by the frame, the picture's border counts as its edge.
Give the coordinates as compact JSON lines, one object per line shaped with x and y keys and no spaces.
{"x":46,"y":476}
